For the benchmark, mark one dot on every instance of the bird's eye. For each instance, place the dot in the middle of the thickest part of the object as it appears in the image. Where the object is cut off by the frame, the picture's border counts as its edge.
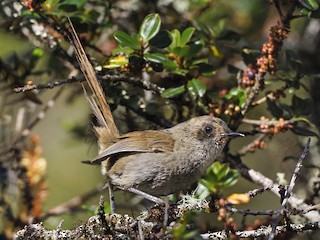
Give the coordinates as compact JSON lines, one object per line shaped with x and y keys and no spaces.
{"x":208,"y":129}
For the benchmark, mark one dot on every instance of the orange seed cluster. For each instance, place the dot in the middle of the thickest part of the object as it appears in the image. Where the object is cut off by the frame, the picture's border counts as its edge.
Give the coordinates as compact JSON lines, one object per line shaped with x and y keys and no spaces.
{"x":267,"y":63}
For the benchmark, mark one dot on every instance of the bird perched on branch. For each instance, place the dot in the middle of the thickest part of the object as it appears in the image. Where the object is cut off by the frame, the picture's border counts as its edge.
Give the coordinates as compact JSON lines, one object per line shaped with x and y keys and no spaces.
{"x":154,"y":162}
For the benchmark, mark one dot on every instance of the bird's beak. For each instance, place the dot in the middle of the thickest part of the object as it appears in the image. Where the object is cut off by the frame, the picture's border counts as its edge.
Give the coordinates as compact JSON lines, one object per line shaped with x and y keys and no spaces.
{"x":233,"y":134}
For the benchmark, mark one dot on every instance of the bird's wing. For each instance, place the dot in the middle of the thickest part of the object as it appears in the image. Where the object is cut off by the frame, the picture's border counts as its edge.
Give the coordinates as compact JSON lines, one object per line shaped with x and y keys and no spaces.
{"x":135,"y":142}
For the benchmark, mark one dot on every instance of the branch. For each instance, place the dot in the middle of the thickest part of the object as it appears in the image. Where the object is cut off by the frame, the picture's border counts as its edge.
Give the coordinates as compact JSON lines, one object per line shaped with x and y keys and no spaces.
{"x":48,"y":85}
{"x":263,"y":231}
{"x":260,"y":179}
{"x":288,"y":192}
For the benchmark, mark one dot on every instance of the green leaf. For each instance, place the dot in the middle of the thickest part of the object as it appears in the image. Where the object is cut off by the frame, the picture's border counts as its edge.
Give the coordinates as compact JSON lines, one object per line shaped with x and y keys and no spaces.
{"x":126,"y":40}
{"x":206,"y":69}
{"x":170,"y":65}
{"x":186,"y":36}
{"x":250,"y":56}
{"x":302,"y":107}
{"x":293,"y":60}
{"x":160,"y":58}
{"x":302,"y":131}
{"x":219,"y":176}
{"x":156,"y":57}
{"x":310,"y":4}
{"x":176,"y":39}
{"x":222,"y":170}
{"x":115,"y":62}
{"x":274,"y":108}
{"x":187,"y":51}
{"x":305,"y":12}
{"x":157,"y":67}
{"x":287,"y":111}
{"x":150,"y":27}
{"x":181,"y":51}
{"x":231,"y":179}
{"x":173,"y":92}
{"x":196,"y":88}
{"x":194,"y":49}
{"x":50,"y":4}
{"x":238,"y":94}
{"x":136,"y":60}
{"x":72,"y":5}
{"x":161,"y":40}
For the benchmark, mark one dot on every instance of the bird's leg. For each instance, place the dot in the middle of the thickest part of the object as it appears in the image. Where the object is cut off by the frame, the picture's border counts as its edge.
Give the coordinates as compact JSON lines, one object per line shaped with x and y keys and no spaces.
{"x":146,"y":195}
{"x":111,"y":197}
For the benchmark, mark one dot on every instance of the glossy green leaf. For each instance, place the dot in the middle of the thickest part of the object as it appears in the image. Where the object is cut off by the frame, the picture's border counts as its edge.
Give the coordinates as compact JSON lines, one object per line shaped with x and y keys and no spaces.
{"x":157,"y":67}
{"x":115,"y":62}
{"x":221,"y":170}
{"x":173,"y":92}
{"x":150,"y":27}
{"x":136,"y":59}
{"x":186,"y":36}
{"x":293,"y":61}
{"x":156,"y":57}
{"x":305,"y":12}
{"x":302,"y":107}
{"x":196,"y":88}
{"x":161,"y":40}
{"x":310,"y":4}
{"x":72,"y":5}
{"x":238,"y":94}
{"x":187,"y":51}
{"x":50,"y":4}
{"x":170,"y":65}
{"x":274,"y":108}
{"x":250,"y":55}
{"x":199,"y":61}
{"x":126,"y":40}
{"x":176,"y":39}
{"x":194,"y":49}
{"x":181,"y":51}
{"x":231,"y":179}
{"x":219,"y":176}
{"x":206,"y":70}
{"x":303,"y":131}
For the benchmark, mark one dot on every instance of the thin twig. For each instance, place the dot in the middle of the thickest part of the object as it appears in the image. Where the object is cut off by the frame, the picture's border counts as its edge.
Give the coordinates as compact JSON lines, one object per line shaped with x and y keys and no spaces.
{"x":288,"y":192}
{"x":255,"y":192}
{"x":49,"y":85}
{"x":269,"y":122}
{"x":114,"y":78}
{"x":252,"y":212}
{"x":101,"y":214}
{"x":245,"y":149}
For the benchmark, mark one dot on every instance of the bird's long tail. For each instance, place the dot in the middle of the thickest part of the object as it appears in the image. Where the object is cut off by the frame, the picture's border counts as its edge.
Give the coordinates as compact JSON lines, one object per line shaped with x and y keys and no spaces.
{"x":97,"y":101}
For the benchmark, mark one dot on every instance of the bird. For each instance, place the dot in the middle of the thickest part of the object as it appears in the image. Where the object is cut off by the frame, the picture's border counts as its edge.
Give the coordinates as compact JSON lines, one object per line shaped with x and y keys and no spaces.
{"x":150,"y":163}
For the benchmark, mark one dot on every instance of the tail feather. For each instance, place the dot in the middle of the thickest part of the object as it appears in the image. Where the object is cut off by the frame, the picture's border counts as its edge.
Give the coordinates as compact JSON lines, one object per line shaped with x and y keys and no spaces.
{"x":97,"y":102}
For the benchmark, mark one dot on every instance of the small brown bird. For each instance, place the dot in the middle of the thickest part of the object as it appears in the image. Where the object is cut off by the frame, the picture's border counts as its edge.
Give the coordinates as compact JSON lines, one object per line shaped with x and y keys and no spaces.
{"x":161,"y":162}
{"x":154,"y":162}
